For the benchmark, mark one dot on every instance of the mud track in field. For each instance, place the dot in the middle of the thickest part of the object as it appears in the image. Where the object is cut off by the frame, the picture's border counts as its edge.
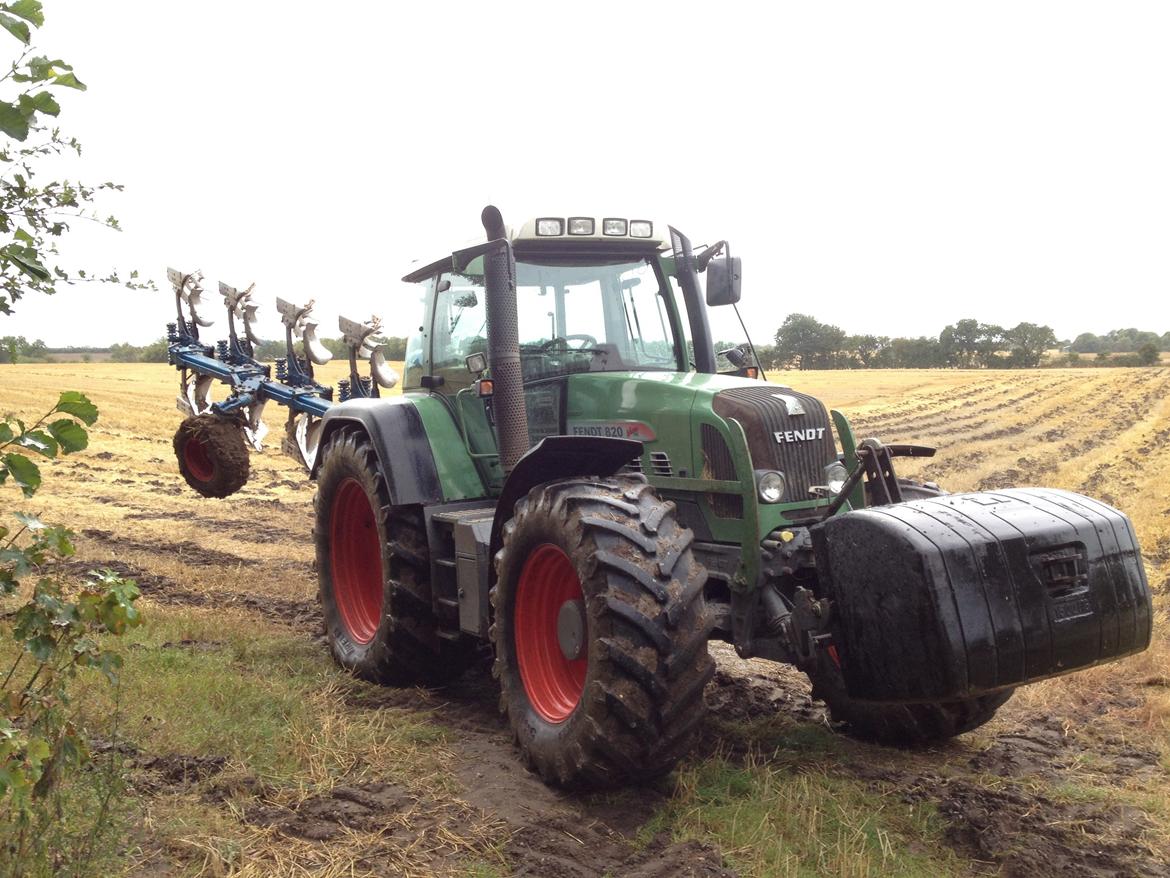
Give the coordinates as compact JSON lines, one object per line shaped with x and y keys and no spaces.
{"x":1004,"y":827}
{"x":549,"y":833}
{"x":190,"y":552}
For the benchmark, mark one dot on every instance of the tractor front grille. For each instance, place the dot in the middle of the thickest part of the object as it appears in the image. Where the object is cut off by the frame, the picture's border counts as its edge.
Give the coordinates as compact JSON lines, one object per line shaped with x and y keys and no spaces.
{"x":718,"y":465}
{"x":798,"y":443}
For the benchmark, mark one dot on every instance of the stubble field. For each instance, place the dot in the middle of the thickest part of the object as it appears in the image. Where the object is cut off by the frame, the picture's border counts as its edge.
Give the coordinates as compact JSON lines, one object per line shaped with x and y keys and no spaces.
{"x":249,"y":753}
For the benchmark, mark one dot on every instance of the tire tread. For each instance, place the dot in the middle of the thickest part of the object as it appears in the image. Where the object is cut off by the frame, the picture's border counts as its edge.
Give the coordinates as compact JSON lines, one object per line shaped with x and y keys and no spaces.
{"x":643,"y":701}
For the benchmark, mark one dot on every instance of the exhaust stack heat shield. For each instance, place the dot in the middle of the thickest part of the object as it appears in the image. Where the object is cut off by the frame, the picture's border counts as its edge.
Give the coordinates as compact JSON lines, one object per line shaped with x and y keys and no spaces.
{"x":963,"y":594}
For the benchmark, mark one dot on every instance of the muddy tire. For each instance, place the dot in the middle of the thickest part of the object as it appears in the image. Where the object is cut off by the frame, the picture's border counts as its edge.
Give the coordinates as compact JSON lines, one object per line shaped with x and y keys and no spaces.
{"x":212,"y":455}
{"x":373,"y":570}
{"x":900,"y":725}
{"x":600,"y":632}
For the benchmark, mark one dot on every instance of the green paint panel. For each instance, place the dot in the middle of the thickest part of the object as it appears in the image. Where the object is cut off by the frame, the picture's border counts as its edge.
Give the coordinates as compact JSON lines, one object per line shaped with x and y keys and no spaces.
{"x":675,"y":406}
{"x":457,"y":471}
{"x":660,"y":399}
{"x":664,"y":400}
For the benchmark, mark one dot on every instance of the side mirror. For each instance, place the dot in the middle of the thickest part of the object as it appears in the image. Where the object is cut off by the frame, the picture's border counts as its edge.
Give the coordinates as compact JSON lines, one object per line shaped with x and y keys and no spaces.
{"x":736,"y":357}
{"x":724,"y":279}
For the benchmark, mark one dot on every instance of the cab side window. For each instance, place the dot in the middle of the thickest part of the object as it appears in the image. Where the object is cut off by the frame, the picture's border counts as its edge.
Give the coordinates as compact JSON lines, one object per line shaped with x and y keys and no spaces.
{"x":459,"y":328}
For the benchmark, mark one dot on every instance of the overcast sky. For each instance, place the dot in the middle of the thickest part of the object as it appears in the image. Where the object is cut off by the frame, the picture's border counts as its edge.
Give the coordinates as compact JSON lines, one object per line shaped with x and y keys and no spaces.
{"x":890,"y":168}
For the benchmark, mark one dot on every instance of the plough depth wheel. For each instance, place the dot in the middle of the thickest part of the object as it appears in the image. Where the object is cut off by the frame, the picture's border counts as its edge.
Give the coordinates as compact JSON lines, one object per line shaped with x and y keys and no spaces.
{"x":212,"y":455}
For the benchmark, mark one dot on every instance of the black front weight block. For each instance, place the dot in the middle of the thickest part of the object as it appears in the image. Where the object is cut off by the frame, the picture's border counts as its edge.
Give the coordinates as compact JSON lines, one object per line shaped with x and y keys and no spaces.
{"x":955,"y":596}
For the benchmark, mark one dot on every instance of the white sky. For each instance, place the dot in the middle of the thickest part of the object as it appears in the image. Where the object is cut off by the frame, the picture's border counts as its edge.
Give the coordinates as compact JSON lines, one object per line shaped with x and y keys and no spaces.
{"x":890,"y":168}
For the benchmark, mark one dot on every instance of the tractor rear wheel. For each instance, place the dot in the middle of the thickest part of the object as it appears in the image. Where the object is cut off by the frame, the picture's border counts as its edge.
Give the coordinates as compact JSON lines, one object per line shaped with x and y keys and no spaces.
{"x":373,"y":570}
{"x":899,"y":725}
{"x":212,"y":455}
{"x":600,"y":632}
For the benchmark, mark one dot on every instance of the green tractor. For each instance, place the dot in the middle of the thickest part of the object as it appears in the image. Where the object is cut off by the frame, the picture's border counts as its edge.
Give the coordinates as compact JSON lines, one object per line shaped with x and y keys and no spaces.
{"x":571,"y":477}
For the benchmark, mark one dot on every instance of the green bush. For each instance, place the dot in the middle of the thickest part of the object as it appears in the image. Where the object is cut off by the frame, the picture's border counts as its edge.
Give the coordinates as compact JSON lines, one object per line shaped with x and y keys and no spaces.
{"x":58,"y":630}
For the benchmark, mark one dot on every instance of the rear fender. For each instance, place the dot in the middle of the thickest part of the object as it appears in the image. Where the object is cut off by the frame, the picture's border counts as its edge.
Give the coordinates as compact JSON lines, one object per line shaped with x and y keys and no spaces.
{"x":396,"y":430}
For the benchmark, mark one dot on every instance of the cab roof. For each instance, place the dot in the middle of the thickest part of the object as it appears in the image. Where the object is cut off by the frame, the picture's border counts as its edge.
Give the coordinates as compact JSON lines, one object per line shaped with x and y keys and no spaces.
{"x":529,"y":240}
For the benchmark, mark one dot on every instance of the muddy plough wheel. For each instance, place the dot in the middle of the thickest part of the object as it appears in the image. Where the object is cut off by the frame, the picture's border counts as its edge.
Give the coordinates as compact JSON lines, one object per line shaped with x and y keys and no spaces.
{"x":212,"y":455}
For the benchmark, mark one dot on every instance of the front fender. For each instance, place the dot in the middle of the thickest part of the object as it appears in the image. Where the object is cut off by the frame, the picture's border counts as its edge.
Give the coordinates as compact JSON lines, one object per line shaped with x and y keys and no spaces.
{"x":559,"y":457}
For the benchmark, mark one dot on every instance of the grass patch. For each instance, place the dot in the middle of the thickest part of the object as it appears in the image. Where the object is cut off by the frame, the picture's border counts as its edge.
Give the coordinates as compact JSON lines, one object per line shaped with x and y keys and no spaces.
{"x":771,"y":820}
{"x":265,"y":718}
{"x":210,"y":684}
{"x":784,"y":741}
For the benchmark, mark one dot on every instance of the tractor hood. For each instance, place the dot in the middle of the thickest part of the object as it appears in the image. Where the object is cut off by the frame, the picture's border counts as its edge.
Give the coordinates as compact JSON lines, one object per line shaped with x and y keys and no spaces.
{"x":673,"y":415}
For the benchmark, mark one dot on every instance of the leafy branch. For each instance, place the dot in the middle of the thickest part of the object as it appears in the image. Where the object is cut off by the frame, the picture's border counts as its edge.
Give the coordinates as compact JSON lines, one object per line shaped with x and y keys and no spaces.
{"x":56,"y":627}
{"x":45,"y":437}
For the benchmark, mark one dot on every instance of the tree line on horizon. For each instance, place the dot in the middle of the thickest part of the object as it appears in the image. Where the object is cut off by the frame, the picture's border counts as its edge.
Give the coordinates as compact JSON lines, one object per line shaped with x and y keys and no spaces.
{"x":803,"y":342}
{"x":17,"y":349}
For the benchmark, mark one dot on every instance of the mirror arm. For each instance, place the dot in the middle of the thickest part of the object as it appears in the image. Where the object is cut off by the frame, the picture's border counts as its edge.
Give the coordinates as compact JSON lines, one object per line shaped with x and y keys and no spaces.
{"x":704,"y":258}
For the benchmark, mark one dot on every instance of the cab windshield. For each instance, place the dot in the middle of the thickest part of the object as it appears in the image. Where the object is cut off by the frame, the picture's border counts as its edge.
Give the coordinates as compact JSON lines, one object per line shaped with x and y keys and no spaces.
{"x":600,"y":317}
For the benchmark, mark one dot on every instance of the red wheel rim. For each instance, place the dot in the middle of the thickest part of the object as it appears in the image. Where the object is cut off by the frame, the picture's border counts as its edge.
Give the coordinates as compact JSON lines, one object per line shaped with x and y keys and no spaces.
{"x":834,"y":655}
{"x":355,"y":559}
{"x":552,"y":681}
{"x":197,"y":459}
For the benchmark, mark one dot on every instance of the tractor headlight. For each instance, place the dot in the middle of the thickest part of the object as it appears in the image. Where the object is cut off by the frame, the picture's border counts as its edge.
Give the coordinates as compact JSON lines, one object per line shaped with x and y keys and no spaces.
{"x":580,"y":225}
{"x":835,"y":477}
{"x":547,"y":227}
{"x":770,"y":486}
{"x":641,"y":229}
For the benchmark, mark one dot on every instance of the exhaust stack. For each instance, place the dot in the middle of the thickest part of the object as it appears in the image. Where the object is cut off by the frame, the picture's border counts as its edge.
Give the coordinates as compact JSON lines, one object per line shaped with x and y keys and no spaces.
{"x":499,"y":271}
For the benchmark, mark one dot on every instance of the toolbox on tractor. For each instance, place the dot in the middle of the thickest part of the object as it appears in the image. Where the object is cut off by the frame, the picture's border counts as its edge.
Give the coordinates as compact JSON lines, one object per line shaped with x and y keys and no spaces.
{"x":573,"y":475}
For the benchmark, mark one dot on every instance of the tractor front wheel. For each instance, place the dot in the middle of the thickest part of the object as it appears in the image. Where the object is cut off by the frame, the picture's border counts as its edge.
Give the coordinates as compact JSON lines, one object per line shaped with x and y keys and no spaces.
{"x":898,"y":725}
{"x":373,"y":570}
{"x":212,"y":455}
{"x":600,"y":632}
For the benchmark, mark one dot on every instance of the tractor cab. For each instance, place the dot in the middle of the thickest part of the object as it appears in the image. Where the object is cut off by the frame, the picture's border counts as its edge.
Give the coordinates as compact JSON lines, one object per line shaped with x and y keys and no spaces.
{"x":592,"y":295}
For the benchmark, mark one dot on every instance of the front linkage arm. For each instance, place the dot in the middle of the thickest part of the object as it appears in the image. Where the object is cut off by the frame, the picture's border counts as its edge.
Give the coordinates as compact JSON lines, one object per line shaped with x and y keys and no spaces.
{"x":876,"y":465}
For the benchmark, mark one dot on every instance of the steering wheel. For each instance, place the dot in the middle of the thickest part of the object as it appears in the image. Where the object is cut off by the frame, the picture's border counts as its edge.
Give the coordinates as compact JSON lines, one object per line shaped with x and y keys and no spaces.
{"x":587,"y":342}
